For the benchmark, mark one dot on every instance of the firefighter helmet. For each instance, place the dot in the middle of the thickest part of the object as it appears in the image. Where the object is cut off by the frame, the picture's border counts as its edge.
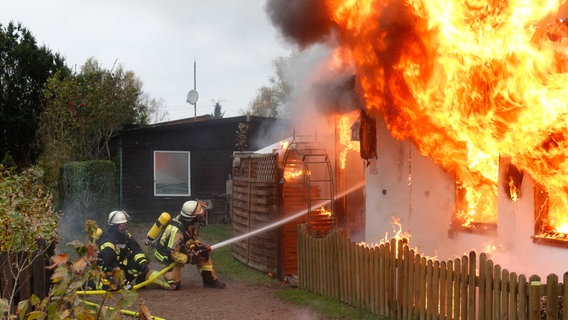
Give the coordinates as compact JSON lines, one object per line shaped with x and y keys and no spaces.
{"x":117,"y":217}
{"x":191,"y":209}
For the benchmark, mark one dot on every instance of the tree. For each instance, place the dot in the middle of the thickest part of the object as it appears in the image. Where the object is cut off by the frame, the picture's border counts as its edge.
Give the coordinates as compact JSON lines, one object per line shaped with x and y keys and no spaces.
{"x":24,"y":69}
{"x":83,"y":111}
{"x":272,"y":100}
{"x":265,"y":104}
{"x":156,"y":109}
{"x":217,"y":113}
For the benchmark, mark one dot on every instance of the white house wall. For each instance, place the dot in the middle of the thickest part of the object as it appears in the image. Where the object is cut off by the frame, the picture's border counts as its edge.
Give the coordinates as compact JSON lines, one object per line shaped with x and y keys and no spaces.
{"x":409,"y":187}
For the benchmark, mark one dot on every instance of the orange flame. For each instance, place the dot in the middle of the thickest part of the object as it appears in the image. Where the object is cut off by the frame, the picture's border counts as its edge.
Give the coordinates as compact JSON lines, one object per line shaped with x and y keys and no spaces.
{"x":324,"y":211}
{"x":293,"y":173}
{"x":513,"y":190}
{"x":468,"y":82}
{"x":345,"y":122}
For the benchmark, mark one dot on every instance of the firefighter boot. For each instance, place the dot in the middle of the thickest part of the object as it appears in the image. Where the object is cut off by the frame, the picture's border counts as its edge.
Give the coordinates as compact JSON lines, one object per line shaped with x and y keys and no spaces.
{"x":210,"y":282}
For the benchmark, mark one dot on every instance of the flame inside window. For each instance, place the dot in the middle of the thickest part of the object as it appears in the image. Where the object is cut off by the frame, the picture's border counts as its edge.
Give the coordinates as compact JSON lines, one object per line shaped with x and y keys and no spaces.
{"x":345,"y":122}
{"x":476,"y":195}
{"x":551,"y":222}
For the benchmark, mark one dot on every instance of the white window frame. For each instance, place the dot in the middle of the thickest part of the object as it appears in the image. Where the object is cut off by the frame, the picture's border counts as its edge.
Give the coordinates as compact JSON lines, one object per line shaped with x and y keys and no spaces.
{"x":156,"y":152}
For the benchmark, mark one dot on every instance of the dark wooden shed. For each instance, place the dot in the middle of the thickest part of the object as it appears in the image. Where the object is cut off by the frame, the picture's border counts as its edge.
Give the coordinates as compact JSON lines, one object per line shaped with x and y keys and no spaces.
{"x":162,"y":165}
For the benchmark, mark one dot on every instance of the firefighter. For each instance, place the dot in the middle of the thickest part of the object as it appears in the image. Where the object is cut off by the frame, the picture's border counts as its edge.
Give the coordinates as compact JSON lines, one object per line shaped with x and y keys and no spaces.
{"x":179,"y":243}
{"x":120,"y":256}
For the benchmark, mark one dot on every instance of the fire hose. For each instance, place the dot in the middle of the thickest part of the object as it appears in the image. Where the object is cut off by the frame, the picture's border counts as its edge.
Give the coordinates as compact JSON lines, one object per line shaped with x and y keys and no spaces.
{"x":126,"y":312}
{"x":137,"y":286}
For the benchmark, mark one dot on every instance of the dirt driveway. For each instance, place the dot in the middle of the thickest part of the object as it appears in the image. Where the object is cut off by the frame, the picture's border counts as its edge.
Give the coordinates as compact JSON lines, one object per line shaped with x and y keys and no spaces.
{"x":237,"y":301}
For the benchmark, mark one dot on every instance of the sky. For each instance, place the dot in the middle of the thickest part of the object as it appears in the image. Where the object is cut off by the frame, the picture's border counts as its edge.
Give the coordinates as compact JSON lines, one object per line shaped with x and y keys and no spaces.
{"x":230,"y":44}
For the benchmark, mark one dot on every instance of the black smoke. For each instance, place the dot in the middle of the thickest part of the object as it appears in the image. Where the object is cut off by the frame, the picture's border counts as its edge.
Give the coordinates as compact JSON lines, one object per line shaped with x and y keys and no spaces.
{"x":303,"y":22}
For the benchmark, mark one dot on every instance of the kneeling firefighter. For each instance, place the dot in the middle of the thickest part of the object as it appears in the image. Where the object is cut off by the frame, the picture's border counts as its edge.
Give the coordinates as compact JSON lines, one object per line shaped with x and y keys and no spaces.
{"x":179,"y":243}
{"x":120,"y":256}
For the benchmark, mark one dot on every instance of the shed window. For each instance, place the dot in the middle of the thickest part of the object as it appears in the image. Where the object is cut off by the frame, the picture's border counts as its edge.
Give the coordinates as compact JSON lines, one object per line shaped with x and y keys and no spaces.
{"x":171,"y":173}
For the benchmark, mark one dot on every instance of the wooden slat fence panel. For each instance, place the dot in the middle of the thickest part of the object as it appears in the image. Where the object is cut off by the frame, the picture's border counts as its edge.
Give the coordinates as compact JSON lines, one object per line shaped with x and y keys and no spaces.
{"x":393,"y":280}
{"x":21,"y":277}
{"x":254,"y":204}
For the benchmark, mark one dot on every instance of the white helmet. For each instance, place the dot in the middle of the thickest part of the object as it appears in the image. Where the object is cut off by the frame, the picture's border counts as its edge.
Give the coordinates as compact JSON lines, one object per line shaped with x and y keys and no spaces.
{"x":191,"y":209}
{"x":117,"y":217}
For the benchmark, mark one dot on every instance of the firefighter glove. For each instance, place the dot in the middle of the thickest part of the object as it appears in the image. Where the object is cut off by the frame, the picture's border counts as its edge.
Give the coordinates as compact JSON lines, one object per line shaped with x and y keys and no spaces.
{"x":202,"y":251}
{"x":180,"y":257}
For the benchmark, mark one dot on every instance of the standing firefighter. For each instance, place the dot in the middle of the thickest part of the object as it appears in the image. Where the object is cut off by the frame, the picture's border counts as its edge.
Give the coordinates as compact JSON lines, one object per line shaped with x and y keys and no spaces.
{"x":179,"y":243}
{"x":120,"y":255}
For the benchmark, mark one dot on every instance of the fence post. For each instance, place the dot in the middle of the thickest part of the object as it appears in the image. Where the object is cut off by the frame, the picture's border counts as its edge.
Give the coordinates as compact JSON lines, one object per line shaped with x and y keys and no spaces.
{"x":443,"y":292}
{"x":496,"y":292}
{"x":482,"y":285}
{"x":391,"y":278}
{"x":436,"y":289}
{"x":552,"y":297}
{"x":457,"y":291}
{"x":39,"y":272}
{"x":534,"y":298}
{"x":471,"y":285}
{"x":422,"y":288}
{"x":513,"y":296}
{"x":429,"y":289}
{"x":449,"y":289}
{"x":375,"y":283}
{"x":523,"y":297}
{"x":416,"y":297}
{"x":565,"y":296}
{"x":489,"y":291}
{"x":407,"y":263}
{"x":463,"y":288}
{"x":505,"y":292}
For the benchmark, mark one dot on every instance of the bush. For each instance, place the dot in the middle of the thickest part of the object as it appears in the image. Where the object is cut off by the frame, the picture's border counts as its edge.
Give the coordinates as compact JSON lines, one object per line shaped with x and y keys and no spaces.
{"x":26,"y":210}
{"x":27,"y":219}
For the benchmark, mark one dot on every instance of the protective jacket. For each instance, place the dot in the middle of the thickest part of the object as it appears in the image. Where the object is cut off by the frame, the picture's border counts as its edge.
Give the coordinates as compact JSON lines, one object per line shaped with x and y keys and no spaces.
{"x":121,"y":250}
{"x":179,"y":243}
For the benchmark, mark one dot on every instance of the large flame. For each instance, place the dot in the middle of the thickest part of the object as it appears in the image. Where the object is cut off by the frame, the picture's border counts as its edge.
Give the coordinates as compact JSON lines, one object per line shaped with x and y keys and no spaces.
{"x":468,"y":82}
{"x":344,"y":124}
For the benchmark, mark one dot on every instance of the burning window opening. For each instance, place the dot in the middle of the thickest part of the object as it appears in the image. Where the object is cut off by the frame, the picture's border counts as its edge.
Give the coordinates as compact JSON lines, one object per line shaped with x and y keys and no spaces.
{"x":476,"y":203}
{"x":356,"y":131}
{"x":551,"y":222}
{"x":346,"y":123}
{"x":513,"y":182}
{"x":368,"y":137}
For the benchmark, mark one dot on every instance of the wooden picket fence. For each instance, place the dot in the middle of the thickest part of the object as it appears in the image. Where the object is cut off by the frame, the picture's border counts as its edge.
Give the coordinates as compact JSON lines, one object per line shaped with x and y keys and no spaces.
{"x":391,"y":279}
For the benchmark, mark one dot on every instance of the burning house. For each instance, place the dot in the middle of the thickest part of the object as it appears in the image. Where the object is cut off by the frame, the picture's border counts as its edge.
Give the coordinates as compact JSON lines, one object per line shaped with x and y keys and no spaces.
{"x":466,"y":120}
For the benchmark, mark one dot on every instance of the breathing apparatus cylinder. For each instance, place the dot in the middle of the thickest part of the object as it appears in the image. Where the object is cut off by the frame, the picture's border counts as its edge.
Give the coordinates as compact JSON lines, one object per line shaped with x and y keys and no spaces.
{"x":158,"y":227}
{"x":97,"y":234}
